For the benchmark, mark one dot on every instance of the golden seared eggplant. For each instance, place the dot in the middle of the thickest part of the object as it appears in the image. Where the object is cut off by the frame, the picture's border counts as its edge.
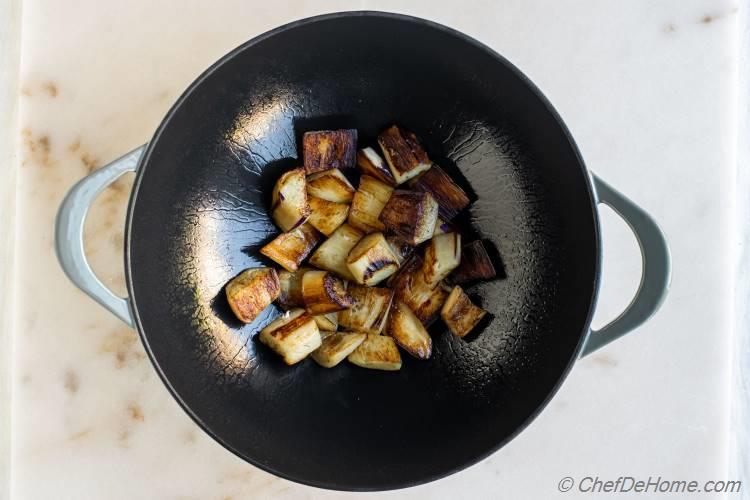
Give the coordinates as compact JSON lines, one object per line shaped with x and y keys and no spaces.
{"x":405,"y":156}
{"x":290,"y":295}
{"x":290,"y":249}
{"x":328,"y":322}
{"x":400,"y":248}
{"x":289,"y":206}
{"x":460,"y":313}
{"x":377,"y":352}
{"x":324,"y":149}
{"x":326,"y":216}
{"x":330,"y":185}
{"x":409,"y":266}
{"x":475,"y":264}
{"x":371,"y":260}
{"x":293,"y":335}
{"x":336,"y":347}
{"x":412,"y":289}
{"x":372,"y":164}
{"x":332,"y":254}
{"x":442,"y":227}
{"x":367,"y":204}
{"x":411,"y":215}
{"x":442,"y":254}
{"x":323,"y":293}
{"x":450,"y":197}
{"x":425,"y":301}
{"x":408,"y":331}
{"x":369,"y":311}
{"x":251,"y":291}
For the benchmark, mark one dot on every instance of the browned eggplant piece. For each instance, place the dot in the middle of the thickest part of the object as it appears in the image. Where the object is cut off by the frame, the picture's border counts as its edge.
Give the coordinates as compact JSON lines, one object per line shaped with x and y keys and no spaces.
{"x":326,"y":216}
{"x":377,"y":352}
{"x":405,"y":156}
{"x":442,"y":254}
{"x":411,"y":288}
{"x":336,"y":347}
{"x":475,"y":264}
{"x":400,"y":248}
{"x":290,"y":249}
{"x":367,"y":204}
{"x":450,"y":197}
{"x":332,"y":254}
{"x":324,"y":149}
{"x":289,"y":206}
{"x":408,"y":267}
{"x":293,"y":336}
{"x":442,"y":227}
{"x":411,"y":215}
{"x":291,"y":288}
{"x":370,"y":309}
{"x":371,"y":260}
{"x":372,"y":164}
{"x":459,"y":313}
{"x":324,"y":293}
{"x":408,"y":331}
{"x":250,"y":292}
{"x":330,"y":185}
{"x":328,"y":322}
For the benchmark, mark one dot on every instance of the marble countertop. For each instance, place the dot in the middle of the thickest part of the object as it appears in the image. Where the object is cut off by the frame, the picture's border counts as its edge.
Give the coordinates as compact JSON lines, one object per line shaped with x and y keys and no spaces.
{"x":648,"y":90}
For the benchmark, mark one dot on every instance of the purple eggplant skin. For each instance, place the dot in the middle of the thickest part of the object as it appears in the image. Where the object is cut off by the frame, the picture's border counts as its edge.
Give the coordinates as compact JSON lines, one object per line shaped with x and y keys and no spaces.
{"x":475,"y":264}
{"x":451,"y":198}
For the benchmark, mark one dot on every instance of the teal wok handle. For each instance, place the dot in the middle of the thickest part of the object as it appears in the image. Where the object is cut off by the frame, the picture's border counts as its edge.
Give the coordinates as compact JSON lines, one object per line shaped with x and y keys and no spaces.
{"x":656,"y":269}
{"x":69,"y":233}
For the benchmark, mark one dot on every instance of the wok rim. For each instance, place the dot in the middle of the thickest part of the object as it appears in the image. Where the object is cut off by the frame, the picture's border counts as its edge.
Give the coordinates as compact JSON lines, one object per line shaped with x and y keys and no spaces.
{"x":332,"y":483}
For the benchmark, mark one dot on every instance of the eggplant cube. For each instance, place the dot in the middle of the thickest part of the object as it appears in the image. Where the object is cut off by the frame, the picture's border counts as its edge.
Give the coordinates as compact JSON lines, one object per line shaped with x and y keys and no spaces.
{"x":371,"y":260}
{"x":367,"y":204}
{"x":293,"y":336}
{"x":405,"y":156}
{"x":324,"y":149}
{"x":372,"y":164}
{"x":400,"y":248}
{"x":369,"y":311}
{"x":441,"y":256}
{"x":290,"y":296}
{"x":411,"y":287}
{"x":289,"y":207}
{"x":460,"y":313}
{"x":336,"y":347}
{"x":330,"y":185}
{"x":250,"y":292}
{"x":326,"y":216}
{"x":328,"y":322}
{"x":442,"y":227}
{"x":377,"y":352}
{"x":408,"y":331}
{"x":450,"y":197}
{"x":332,"y":254}
{"x":324,"y":293}
{"x":411,"y":215}
{"x":290,"y":249}
{"x":475,"y":264}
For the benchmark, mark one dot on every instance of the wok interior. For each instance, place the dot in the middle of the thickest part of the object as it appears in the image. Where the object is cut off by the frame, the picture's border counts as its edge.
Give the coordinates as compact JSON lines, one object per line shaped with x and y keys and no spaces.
{"x":199,"y":215}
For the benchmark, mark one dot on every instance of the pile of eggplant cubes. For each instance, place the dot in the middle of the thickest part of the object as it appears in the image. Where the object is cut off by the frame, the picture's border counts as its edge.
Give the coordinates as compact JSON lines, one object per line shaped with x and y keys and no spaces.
{"x":384,"y":255}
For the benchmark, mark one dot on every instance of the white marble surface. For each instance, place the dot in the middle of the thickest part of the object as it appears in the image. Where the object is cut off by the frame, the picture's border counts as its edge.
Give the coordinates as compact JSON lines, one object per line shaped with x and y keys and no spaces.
{"x":648,"y":89}
{"x":9,"y":51}
{"x":740,"y":414}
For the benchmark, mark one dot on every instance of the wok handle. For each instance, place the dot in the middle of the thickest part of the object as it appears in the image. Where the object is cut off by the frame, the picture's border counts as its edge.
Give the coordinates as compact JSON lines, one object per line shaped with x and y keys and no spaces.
{"x":656,"y":272}
{"x":69,"y":233}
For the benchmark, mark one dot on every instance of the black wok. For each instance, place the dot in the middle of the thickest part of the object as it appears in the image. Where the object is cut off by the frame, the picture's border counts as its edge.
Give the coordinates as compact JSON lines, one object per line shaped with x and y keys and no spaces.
{"x":198,"y":215}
